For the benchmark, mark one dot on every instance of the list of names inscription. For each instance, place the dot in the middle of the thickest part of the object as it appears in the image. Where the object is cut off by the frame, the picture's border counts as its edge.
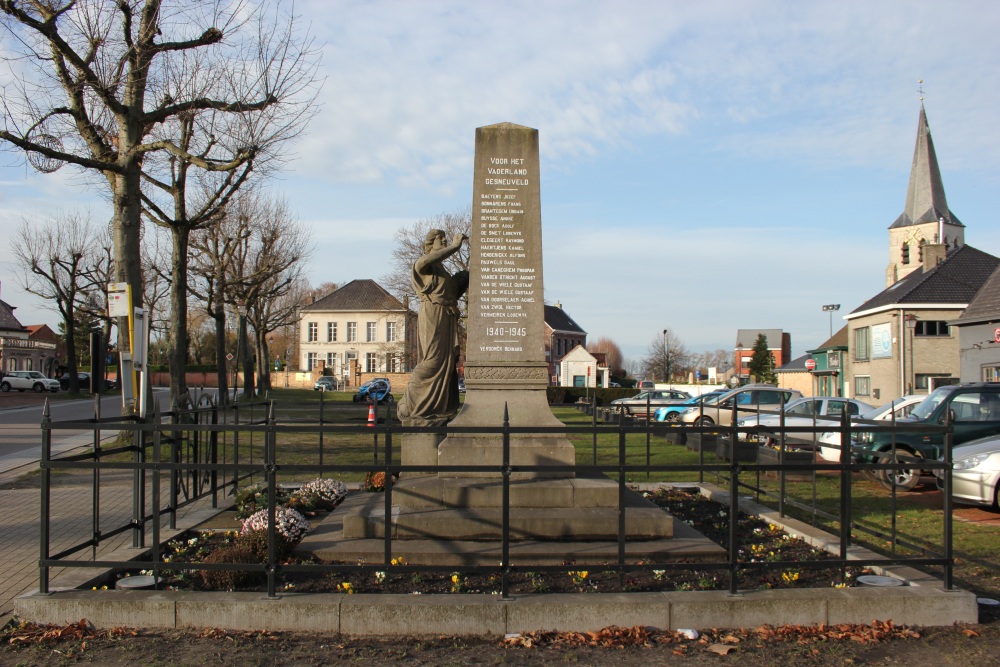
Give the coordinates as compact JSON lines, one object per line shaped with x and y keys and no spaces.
{"x":507,"y":276}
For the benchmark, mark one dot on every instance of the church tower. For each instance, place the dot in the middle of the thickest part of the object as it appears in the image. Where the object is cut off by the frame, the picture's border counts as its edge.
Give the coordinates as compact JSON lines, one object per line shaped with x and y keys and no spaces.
{"x":926,"y":218}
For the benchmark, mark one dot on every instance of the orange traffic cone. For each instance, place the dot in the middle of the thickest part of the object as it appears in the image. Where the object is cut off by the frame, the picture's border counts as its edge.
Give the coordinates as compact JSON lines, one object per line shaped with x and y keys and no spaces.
{"x":371,"y":414}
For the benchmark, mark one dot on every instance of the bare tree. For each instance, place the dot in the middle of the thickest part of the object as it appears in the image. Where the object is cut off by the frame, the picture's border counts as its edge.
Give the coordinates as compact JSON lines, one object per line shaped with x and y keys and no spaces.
{"x":666,"y":356}
{"x":612,"y":355}
{"x":409,"y":246}
{"x":54,"y":257}
{"x":250,"y":261}
{"x":110,"y":87}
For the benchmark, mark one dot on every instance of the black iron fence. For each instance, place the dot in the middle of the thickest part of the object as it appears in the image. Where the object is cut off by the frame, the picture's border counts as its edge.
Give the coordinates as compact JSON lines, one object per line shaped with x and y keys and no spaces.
{"x":207,"y":453}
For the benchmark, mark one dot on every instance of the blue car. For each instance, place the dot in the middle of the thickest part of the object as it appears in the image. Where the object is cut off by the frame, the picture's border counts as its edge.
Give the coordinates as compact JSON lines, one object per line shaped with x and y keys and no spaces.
{"x":374,"y":391}
{"x":670,"y":413}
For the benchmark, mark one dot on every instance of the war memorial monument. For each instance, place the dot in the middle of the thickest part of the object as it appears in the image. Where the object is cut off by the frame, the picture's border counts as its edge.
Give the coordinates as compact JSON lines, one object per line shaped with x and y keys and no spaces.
{"x":555,"y":513}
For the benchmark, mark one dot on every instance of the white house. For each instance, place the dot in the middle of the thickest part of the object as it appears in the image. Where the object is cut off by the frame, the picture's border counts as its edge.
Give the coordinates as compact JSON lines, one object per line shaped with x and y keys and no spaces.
{"x":580,"y":368}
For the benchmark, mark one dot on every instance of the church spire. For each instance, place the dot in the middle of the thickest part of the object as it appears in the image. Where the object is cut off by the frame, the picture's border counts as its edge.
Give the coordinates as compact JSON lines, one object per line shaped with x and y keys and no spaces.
{"x":925,"y":199}
{"x":926,"y":219}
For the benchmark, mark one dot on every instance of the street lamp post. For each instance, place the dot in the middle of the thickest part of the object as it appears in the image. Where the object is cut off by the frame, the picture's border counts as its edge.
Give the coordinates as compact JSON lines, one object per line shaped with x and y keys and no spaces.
{"x":739,"y":363}
{"x":911,"y":324}
{"x":666,"y":355}
{"x":829,"y":308}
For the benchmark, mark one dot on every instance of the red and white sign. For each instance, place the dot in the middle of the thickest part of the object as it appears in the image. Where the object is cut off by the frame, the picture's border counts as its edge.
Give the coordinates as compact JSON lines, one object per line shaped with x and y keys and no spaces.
{"x":810,"y":364}
{"x":996,"y":335}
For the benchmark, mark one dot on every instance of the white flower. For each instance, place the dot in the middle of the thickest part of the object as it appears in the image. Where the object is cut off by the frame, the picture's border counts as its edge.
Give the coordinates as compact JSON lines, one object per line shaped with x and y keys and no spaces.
{"x":288,"y":523}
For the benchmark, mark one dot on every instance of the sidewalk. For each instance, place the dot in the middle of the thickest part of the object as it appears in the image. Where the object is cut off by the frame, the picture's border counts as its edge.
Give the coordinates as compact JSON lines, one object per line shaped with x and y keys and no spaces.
{"x":71,"y":523}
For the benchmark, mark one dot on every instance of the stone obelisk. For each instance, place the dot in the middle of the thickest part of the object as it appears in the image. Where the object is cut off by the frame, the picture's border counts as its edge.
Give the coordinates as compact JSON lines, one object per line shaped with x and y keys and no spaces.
{"x":505,"y":363}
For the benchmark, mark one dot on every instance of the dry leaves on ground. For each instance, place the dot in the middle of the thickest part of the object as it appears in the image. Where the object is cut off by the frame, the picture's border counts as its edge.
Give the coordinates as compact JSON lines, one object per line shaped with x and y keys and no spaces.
{"x":29,"y":633}
{"x":719,"y":641}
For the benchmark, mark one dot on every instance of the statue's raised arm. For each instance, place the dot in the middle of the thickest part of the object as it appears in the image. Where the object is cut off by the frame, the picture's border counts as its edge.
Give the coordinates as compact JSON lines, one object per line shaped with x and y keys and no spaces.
{"x":431,"y":397}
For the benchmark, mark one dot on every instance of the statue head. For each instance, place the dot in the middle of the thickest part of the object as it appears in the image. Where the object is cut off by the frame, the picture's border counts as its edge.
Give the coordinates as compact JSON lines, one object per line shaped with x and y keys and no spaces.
{"x":433,"y":235}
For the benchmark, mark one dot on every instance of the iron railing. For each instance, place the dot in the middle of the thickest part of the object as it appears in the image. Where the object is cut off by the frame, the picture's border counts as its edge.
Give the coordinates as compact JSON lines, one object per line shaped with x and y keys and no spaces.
{"x":208,"y":452}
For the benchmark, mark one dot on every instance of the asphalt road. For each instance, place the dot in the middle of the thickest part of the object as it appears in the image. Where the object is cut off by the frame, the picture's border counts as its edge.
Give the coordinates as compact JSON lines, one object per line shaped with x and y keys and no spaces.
{"x":21,"y":416}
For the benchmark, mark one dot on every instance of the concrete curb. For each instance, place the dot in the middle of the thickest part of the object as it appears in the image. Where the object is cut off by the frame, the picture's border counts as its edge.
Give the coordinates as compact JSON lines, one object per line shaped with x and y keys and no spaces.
{"x":485,"y":615}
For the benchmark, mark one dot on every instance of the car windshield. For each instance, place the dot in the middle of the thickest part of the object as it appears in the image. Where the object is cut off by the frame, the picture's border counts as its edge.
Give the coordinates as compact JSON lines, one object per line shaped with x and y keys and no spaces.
{"x":804,"y":408}
{"x":711,"y":399}
{"x":927,"y":406}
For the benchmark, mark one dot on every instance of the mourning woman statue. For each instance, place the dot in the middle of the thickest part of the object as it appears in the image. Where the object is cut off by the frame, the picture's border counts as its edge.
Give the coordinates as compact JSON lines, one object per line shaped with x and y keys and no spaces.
{"x":432,"y":395}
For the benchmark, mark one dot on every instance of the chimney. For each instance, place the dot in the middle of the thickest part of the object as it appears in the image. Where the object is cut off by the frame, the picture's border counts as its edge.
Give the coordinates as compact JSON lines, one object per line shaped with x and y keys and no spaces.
{"x":559,"y":305}
{"x":934,"y":254}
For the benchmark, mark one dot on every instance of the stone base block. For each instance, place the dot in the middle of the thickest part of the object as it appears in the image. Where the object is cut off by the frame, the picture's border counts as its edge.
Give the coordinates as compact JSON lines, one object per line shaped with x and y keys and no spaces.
{"x":524,"y":451}
{"x":438,"y":492}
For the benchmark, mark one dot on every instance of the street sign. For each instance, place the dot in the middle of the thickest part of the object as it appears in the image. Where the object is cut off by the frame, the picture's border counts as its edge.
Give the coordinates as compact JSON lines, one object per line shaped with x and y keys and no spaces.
{"x":697,"y":375}
{"x":996,"y":335}
{"x":229,"y":357}
{"x":810,"y":364}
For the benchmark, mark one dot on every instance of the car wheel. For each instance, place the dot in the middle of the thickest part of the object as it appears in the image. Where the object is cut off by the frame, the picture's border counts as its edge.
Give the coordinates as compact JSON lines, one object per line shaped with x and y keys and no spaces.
{"x":904,"y":479}
{"x":671,"y":417}
{"x":5,"y":387}
{"x":38,"y":387}
{"x":704,"y":421}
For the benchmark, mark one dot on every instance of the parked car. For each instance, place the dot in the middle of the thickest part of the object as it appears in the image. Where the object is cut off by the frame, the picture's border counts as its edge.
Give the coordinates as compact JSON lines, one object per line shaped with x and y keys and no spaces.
{"x":811,"y":411}
{"x":24,"y":380}
{"x":84,"y":382}
{"x":325,"y":383}
{"x":748,"y":399}
{"x":670,"y":413}
{"x":974,"y":411}
{"x":651,"y":399}
{"x":898,"y":408}
{"x":975,"y":476}
{"x":461,"y":386}
{"x":376,"y":389}
{"x":648,"y":385}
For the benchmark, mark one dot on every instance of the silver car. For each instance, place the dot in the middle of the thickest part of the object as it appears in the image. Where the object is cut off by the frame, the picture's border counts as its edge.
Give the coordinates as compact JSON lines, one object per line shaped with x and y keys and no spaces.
{"x":652,"y":399}
{"x":975,"y":476}
{"x":811,"y":411}
{"x":747,"y":400}
{"x":894,"y":409}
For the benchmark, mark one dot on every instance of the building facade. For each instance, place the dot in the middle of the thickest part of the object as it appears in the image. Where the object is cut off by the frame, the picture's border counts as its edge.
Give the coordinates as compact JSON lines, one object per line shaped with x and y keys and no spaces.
{"x":359,"y":328}
{"x":779,"y":344}
{"x":900,"y":340}
{"x":831,"y":360}
{"x":580,"y":368}
{"x":979,"y":335}
{"x":19,"y":351}
{"x":562,"y":334}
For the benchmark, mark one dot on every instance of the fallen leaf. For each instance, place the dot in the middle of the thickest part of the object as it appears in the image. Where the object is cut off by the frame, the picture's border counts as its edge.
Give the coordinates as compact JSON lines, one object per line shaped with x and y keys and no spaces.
{"x":721,"y":649}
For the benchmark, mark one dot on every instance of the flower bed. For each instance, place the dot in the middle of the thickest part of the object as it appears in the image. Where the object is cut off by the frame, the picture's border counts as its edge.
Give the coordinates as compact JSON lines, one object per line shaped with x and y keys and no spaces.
{"x":761,"y":543}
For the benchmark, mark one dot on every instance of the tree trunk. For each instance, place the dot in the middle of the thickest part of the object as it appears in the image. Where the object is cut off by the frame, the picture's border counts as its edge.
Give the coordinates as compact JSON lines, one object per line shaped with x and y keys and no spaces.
{"x":128,"y":264}
{"x":178,"y":334}
{"x":246,"y":354}
{"x":222,"y":364}
{"x":264,"y":364}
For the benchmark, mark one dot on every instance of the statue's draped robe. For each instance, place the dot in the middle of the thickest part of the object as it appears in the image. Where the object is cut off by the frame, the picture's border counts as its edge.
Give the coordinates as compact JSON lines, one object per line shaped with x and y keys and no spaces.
{"x":431,"y":397}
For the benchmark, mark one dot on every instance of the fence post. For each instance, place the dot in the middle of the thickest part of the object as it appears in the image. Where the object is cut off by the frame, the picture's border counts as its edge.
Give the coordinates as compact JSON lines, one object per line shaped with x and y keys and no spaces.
{"x":734,"y":506}
{"x":845,"y":491}
{"x":157,"y":437}
{"x":271,"y":473}
{"x":45,"y":501}
{"x":948,"y":525}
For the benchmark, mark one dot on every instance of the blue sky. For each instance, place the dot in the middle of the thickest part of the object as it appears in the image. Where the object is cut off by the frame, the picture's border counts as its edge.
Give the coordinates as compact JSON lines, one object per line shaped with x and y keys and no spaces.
{"x":705,"y":166}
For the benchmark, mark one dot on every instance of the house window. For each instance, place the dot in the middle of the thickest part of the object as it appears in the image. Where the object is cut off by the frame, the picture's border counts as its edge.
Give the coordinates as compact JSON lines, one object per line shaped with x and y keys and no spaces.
{"x":393,"y":363}
{"x":931,"y":328}
{"x":331,"y":332}
{"x":330,"y":359}
{"x":310,"y":361}
{"x":313,"y":332}
{"x":862,"y":344}
{"x":352,"y":332}
{"x":862,"y":385}
{"x":371,"y":366}
{"x":370,"y":331}
{"x":991,"y":373}
{"x":906,"y":253}
{"x":390,"y":332}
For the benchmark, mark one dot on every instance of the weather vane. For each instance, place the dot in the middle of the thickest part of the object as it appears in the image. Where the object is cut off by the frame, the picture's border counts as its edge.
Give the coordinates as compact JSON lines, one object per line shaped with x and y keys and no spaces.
{"x":920,"y":88}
